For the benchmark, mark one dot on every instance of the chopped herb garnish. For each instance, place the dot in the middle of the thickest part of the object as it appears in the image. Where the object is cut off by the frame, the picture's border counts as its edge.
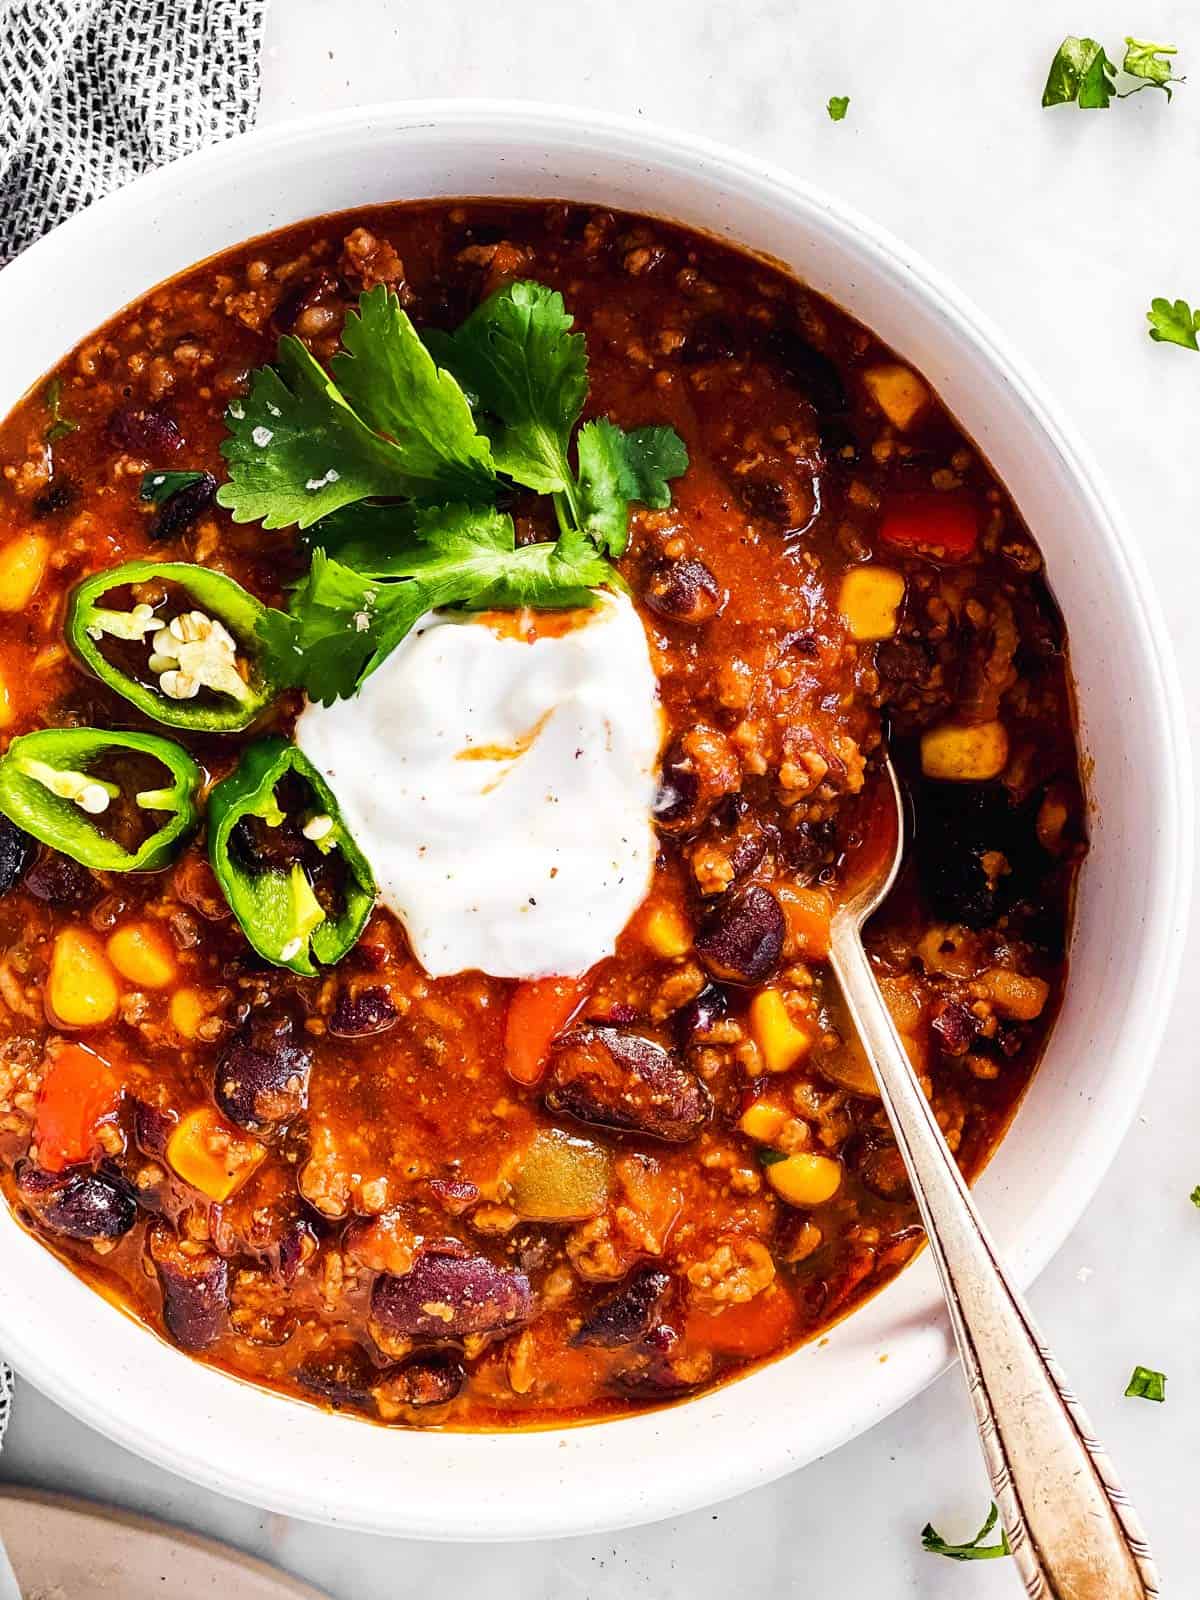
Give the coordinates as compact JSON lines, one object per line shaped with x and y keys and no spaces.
{"x":392,"y":464}
{"x":1082,"y":74}
{"x":59,"y":426}
{"x":837,"y":107}
{"x":1195,"y":1196}
{"x":1174,"y":323}
{"x":159,"y":486}
{"x":770,"y":1158}
{"x":1146,"y":1384}
{"x":932,"y":1541}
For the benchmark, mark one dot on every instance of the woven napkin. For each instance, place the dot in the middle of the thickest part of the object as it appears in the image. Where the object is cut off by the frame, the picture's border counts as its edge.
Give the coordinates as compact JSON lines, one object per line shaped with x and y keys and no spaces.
{"x":94,"y":92}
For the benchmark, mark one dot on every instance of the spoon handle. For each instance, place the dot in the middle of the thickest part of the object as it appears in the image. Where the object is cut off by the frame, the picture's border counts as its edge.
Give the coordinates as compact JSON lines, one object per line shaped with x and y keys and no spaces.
{"x":1073,"y":1533}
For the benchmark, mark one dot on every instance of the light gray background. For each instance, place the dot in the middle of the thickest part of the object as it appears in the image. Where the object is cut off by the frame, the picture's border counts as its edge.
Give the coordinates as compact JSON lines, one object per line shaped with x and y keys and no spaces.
{"x":1062,"y":225}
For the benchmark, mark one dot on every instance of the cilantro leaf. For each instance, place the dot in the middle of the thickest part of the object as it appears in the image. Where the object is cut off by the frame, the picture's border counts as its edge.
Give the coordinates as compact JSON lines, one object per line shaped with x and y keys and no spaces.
{"x":1146,"y":1384}
{"x":157,"y":487}
{"x":932,"y":1541}
{"x":1142,"y":60}
{"x":344,"y":623}
{"x":356,"y":534}
{"x":390,"y":379}
{"x":1174,"y":324}
{"x":297,"y":451}
{"x":59,"y":426}
{"x":1194,"y":1197}
{"x":1080,"y":73}
{"x":616,"y":467}
{"x":517,"y":354}
{"x":837,"y":107}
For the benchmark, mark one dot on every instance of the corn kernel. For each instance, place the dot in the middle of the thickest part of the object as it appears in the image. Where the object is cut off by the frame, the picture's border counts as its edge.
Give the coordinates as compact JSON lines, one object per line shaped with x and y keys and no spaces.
{"x":869,"y":599}
{"x":22,"y":566}
{"x":898,"y":393}
{"x":82,"y":991}
{"x":188,"y":1010}
{"x":141,"y":954}
{"x":762,"y":1121}
{"x":805,"y":1179}
{"x":666,"y":932}
{"x":211,"y":1155}
{"x":781,"y":1042}
{"x":964,"y":754}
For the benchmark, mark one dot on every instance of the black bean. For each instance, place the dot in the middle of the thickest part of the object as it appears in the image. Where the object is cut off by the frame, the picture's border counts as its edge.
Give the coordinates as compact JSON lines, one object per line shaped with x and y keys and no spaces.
{"x":696,"y":1019}
{"x":152,"y":1127}
{"x":432,"y":1378}
{"x":629,"y":1313}
{"x":450,"y":1296}
{"x":904,"y":660}
{"x":17,"y":850}
{"x":195,"y":1288}
{"x":367,"y":1013}
{"x":614,"y":1079}
{"x":297,"y":1246}
{"x":82,"y":1205}
{"x":742,"y":940}
{"x":61,"y":881}
{"x":675,"y":801}
{"x":342,"y":1373}
{"x":58,"y":494}
{"x":814,"y":374}
{"x":683,"y":591}
{"x":179,"y":510}
{"x":766,"y":498}
{"x":144,"y":431}
{"x":957,"y":825}
{"x":262,"y":1076}
{"x":714,"y":338}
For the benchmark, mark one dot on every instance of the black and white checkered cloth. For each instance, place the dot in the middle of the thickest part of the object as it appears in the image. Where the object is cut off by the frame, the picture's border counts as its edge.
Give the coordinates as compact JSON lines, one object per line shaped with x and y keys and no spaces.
{"x":93,"y":92}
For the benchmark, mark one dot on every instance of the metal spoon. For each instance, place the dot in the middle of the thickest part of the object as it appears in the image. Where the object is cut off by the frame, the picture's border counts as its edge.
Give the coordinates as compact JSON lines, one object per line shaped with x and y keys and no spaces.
{"x":1073,"y":1533}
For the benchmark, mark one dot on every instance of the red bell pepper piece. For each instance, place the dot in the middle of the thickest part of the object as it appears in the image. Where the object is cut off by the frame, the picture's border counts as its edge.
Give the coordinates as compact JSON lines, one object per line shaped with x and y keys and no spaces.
{"x":946,"y":523}
{"x":537,"y":1012}
{"x":79,"y":1091}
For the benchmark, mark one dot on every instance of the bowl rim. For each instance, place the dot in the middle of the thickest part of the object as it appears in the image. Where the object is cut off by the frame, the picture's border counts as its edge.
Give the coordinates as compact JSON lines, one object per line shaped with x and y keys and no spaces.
{"x":1170,"y":896}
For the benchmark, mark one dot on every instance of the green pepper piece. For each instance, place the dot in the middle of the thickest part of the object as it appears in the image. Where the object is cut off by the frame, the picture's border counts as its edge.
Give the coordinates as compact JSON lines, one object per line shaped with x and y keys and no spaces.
{"x":48,"y":786}
{"x":187,"y":653}
{"x":279,"y":910}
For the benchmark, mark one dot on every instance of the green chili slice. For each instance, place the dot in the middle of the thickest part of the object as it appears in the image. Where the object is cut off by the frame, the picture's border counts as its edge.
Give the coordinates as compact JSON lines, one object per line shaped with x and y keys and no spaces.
{"x":62,"y":785}
{"x":198,"y":664}
{"x":303,"y":896}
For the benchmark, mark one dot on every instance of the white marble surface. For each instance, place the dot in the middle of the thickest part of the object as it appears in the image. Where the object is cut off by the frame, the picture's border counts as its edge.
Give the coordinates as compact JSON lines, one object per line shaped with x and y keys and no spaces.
{"x":1062,"y":225}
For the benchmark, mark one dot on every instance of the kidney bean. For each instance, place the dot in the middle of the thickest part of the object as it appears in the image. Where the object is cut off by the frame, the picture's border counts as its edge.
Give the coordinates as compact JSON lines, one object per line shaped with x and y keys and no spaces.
{"x":954,"y":1029}
{"x":152,"y":1127}
{"x":694,"y":1020}
{"x":17,"y":850}
{"x":194,"y":1281}
{"x":683,"y":591}
{"x":454,"y":1195}
{"x":629,"y":1313}
{"x":742,"y":940}
{"x":882,"y":1170}
{"x":450,"y":1296}
{"x":678,"y":791}
{"x":81,"y":1205}
{"x":432,"y":1378}
{"x":262,"y":1076}
{"x":625,"y":1081}
{"x":144,"y":431}
{"x":342,"y":1373}
{"x":661,"y":1370}
{"x":179,"y":510}
{"x":297,"y":1247}
{"x":370,"y":1012}
{"x":60,"y":881}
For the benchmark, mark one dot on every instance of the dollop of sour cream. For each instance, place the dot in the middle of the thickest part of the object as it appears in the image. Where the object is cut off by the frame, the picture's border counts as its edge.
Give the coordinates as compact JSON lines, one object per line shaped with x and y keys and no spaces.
{"x":501,"y":785}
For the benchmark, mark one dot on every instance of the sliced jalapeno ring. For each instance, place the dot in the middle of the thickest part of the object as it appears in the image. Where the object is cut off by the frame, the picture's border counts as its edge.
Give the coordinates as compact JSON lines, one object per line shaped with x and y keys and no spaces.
{"x":303,"y":899}
{"x":196,"y":664}
{"x":63,"y":786}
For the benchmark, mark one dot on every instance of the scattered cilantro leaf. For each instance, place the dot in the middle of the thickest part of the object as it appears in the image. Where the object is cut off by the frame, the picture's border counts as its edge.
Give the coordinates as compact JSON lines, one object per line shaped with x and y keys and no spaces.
{"x":932,"y":1541}
{"x":157,"y":487}
{"x":616,"y":467}
{"x":344,"y":623}
{"x":770,"y":1158}
{"x":1194,"y":1197}
{"x":1080,"y":73}
{"x":1143,"y":60}
{"x":517,"y":354}
{"x":837,"y":107}
{"x":1174,"y":323}
{"x":59,"y":426}
{"x":390,"y":379}
{"x":1146,"y":1384}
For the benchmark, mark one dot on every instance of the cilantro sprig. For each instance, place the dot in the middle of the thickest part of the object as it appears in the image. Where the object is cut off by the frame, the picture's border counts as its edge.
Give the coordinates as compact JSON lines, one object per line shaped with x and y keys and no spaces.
{"x":59,"y":426}
{"x":1174,"y":323}
{"x":1146,"y":1384}
{"x":837,"y":106}
{"x":976,"y":1550}
{"x":391,"y":462}
{"x":1082,"y":74}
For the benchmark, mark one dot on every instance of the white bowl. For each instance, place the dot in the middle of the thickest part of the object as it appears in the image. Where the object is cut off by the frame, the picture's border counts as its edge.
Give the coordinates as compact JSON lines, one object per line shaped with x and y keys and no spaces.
{"x":296,"y":1459}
